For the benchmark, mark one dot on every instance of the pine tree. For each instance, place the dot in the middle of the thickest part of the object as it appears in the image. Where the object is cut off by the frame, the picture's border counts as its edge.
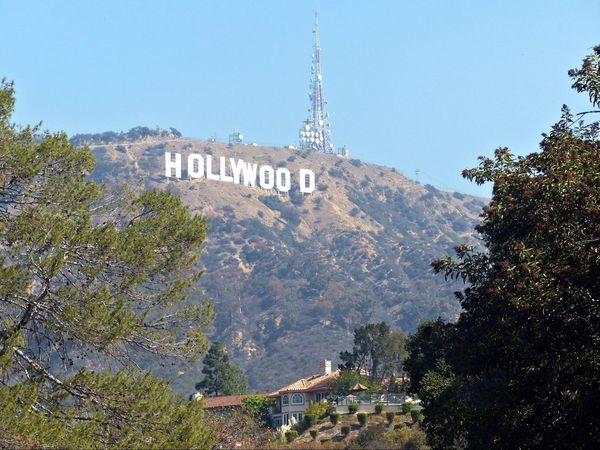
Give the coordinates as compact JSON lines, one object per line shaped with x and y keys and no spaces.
{"x":222,"y":377}
{"x":91,"y":276}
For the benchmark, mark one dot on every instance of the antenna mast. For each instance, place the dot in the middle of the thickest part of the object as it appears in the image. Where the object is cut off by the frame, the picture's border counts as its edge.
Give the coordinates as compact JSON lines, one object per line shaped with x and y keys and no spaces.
{"x":315,"y":135}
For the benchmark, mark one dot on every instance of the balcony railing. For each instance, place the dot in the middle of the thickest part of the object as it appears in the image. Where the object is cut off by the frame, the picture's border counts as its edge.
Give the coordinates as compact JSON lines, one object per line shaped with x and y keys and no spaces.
{"x":371,"y":399}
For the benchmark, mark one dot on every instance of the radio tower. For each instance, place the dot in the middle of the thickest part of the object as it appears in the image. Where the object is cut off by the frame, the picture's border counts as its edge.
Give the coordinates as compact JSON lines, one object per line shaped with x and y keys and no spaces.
{"x":315,"y":135}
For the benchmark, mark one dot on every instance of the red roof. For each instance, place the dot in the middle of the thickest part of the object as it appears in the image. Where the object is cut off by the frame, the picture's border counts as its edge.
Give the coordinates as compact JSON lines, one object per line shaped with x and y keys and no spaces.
{"x":226,"y":401}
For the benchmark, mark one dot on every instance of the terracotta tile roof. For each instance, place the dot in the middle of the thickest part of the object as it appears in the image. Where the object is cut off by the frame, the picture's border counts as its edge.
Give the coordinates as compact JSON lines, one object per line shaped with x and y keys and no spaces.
{"x":317,"y":382}
{"x":226,"y":401}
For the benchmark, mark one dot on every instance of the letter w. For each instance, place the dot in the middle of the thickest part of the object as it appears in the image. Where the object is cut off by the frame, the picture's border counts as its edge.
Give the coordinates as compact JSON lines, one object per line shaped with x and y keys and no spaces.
{"x":249,"y":171}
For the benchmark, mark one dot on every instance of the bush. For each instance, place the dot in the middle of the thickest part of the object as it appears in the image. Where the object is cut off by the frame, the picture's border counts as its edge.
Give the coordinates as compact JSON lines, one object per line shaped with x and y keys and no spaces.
{"x":325,"y":440}
{"x":378,"y":408}
{"x":333,"y":418}
{"x":399,"y":426}
{"x":414,"y":416}
{"x":389,"y":416}
{"x":319,"y":409}
{"x":336,"y":173}
{"x":346,"y":430}
{"x":310,"y":420}
{"x":352,"y":408}
{"x":290,"y":435}
{"x":313,"y":434}
{"x":258,"y":407}
{"x":362,"y":419}
{"x":406,"y":408}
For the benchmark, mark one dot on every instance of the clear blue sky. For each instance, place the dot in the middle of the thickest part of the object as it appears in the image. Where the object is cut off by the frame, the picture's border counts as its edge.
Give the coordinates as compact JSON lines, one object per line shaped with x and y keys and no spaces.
{"x":428,"y":85}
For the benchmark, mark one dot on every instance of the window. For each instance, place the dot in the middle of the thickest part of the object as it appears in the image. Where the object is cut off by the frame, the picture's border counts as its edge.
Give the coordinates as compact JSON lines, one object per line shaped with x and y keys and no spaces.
{"x":298,"y":416}
{"x":297,"y":399}
{"x":321,"y":396}
{"x":285,"y":400}
{"x":277,"y":422}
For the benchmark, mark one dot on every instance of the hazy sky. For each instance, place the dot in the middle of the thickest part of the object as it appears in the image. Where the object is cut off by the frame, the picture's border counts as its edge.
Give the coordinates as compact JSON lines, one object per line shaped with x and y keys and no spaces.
{"x":427,"y":85}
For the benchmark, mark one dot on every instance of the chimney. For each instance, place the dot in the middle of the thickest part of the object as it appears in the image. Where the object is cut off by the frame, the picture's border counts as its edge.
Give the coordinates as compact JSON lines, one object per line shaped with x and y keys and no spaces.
{"x":325,"y":367}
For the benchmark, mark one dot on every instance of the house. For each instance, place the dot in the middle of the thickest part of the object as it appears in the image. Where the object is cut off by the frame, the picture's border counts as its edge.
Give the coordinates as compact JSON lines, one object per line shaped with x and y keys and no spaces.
{"x":293,"y":399}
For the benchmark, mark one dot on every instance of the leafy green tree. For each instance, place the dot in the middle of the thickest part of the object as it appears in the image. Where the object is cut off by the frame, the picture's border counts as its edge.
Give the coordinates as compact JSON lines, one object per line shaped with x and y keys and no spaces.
{"x":428,"y":345}
{"x":377,"y":350}
{"x":222,"y":377}
{"x":258,"y":407}
{"x":520,"y":368}
{"x":89,"y":278}
{"x":347,"y":378}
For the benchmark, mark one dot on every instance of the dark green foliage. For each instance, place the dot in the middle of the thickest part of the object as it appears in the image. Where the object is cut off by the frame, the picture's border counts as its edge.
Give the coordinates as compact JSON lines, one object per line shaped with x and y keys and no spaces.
{"x":362,"y":419}
{"x":414,"y":415}
{"x":319,"y":409}
{"x":290,"y":435}
{"x":313,"y":434}
{"x":137,"y":410}
{"x":399,"y":426}
{"x":325,"y":440}
{"x":424,"y":348}
{"x":222,"y":377}
{"x":91,"y":277}
{"x":309,"y":420}
{"x":345,"y":430}
{"x":334,"y":418}
{"x":406,"y":408}
{"x":258,"y":407}
{"x":378,"y":408}
{"x":377,"y":349}
{"x":520,"y":367}
{"x":356,"y":162}
{"x":389,"y":416}
{"x":352,"y":408}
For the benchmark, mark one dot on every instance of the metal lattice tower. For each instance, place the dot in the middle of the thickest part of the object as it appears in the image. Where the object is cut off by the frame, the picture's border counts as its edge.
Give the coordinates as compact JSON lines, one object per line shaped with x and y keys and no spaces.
{"x":315,"y":134}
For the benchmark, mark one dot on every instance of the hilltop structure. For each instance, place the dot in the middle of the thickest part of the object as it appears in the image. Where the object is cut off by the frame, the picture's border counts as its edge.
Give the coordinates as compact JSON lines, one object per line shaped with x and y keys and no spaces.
{"x":315,"y":134}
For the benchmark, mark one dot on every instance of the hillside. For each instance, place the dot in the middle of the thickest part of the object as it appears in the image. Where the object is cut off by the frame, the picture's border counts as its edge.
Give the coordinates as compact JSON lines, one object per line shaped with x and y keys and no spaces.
{"x":292,"y":275}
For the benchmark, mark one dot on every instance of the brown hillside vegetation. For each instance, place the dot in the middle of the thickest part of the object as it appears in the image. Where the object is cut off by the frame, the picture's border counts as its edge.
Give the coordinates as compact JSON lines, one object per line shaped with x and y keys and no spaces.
{"x":292,"y":275}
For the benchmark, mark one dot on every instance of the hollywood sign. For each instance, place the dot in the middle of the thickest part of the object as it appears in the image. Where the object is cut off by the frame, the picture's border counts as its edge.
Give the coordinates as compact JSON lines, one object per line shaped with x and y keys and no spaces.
{"x":237,"y":171}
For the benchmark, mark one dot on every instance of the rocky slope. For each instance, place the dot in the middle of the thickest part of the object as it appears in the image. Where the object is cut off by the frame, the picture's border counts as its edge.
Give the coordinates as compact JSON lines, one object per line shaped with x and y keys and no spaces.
{"x":292,"y":275}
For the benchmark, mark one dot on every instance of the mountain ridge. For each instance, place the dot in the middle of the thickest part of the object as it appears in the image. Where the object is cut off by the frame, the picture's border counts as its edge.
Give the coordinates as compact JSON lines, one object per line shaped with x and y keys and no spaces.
{"x":291,"y":275}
